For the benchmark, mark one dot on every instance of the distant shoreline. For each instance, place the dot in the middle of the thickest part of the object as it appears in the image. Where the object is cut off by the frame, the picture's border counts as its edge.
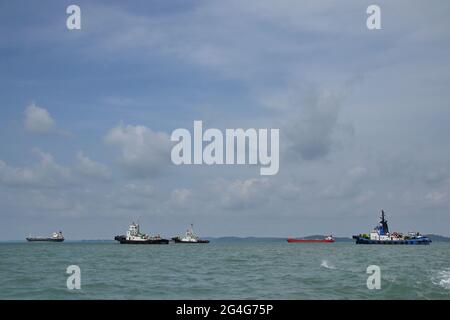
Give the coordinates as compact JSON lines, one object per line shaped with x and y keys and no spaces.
{"x":433,"y":237}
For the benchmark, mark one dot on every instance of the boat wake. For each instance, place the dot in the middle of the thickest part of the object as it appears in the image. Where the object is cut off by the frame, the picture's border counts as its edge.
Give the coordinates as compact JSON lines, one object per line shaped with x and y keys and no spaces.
{"x":326,"y":264}
{"x":443,"y":279}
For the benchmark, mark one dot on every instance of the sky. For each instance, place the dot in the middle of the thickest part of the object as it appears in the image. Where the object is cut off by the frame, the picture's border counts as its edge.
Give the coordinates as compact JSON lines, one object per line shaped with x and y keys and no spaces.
{"x":86,"y":116}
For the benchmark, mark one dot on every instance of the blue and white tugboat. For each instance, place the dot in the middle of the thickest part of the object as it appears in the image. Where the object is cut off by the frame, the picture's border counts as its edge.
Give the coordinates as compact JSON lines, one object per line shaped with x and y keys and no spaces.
{"x":134,"y":236}
{"x":381,"y":235}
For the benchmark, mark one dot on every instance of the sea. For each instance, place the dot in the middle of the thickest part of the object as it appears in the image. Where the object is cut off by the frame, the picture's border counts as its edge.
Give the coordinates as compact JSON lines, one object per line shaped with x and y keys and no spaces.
{"x":238,"y":269}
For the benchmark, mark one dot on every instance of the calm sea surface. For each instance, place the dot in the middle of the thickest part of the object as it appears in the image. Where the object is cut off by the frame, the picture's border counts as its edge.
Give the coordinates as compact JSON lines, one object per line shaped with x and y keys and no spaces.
{"x":223,"y":270}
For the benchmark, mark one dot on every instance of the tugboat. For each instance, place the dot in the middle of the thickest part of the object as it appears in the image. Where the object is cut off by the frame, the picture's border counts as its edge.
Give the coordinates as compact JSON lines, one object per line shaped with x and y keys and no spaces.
{"x":190,"y":237}
{"x":381,"y":235}
{"x":328,"y":239}
{"x":56,"y":237}
{"x":133,"y":236}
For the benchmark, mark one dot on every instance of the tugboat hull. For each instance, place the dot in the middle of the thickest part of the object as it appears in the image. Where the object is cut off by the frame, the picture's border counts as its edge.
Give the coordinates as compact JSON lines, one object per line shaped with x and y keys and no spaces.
{"x":123,"y":240}
{"x":422,"y":241}
{"x":178,"y":240}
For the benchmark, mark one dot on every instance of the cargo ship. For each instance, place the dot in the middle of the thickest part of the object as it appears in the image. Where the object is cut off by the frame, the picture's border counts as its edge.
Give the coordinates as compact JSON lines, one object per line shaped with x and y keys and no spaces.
{"x":381,"y":235}
{"x":189,"y":237}
{"x":328,"y":239}
{"x":56,"y":237}
{"x":134,"y":236}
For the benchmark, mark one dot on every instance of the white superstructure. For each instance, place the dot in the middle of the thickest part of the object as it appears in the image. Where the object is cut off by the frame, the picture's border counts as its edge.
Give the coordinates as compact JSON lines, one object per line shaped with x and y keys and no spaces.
{"x":190,"y":236}
{"x":57,"y":235}
{"x":375,"y":235}
{"x":133,"y":234}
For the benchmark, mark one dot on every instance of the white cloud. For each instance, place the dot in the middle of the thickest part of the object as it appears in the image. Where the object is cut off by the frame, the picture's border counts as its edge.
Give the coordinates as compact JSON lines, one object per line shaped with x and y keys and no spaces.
{"x":133,"y":196}
{"x":143,"y":152}
{"x":181,"y":197}
{"x":313,"y":120}
{"x":244,"y":193}
{"x":56,"y":204}
{"x":145,"y":190}
{"x":350,"y":185}
{"x":435,"y":197}
{"x":289,"y":191}
{"x":90,"y":168}
{"x":358,"y":172}
{"x":16,"y":176}
{"x":280,"y":47}
{"x":364,"y":197}
{"x":38,"y":120}
{"x":47,"y":173}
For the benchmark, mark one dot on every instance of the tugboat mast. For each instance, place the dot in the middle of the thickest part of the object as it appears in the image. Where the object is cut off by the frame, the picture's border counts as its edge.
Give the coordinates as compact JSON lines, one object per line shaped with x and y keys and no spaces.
{"x":384,"y":224}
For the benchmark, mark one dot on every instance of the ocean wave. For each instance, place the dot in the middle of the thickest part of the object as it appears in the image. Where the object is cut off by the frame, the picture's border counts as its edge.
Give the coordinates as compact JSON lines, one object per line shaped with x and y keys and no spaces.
{"x":326,"y":264}
{"x":442,"y":279}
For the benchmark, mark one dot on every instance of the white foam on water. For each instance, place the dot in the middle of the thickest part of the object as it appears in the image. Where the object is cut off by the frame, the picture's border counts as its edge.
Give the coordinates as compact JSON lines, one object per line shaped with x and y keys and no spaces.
{"x":443,"y":279}
{"x":327,"y":264}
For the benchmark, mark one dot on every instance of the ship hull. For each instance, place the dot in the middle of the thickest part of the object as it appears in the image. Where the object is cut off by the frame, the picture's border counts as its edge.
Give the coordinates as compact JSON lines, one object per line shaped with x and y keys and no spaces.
{"x":423,"y":241}
{"x":178,"y":240}
{"x":44,"y":240}
{"x":309,"y":241}
{"x":123,"y":240}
